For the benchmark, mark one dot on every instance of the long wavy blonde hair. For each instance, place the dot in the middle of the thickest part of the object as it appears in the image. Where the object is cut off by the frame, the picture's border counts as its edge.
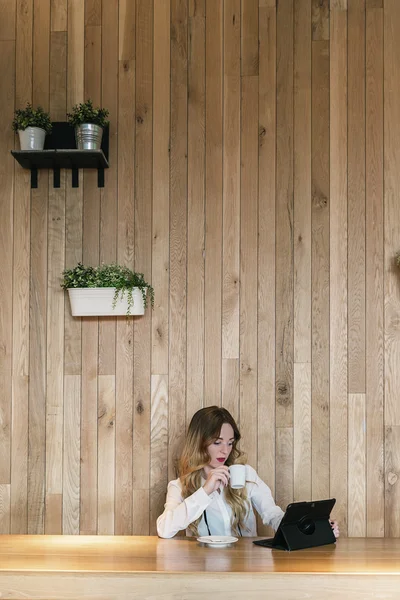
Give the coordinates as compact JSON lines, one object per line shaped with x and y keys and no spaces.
{"x":204,"y":429}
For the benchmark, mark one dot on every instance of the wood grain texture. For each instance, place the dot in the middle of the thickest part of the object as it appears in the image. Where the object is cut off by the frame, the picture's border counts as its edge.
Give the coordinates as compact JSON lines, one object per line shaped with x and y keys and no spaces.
{"x":302,"y":183}
{"x":178,"y":232}
{"x":391,"y":283}
{"x":71,"y":455}
{"x":284,"y":215}
{"x":320,"y":20}
{"x":302,"y":432}
{"x":266,"y":249}
{"x":161,"y":192}
{"x":374,"y":274}
{"x":231,"y":181}
{"x":253,"y":151}
{"x":248,"y":276}
{"x":338,"y":265}
{"x":7,"y":91}
{"x":356,"y":196}
{"x":357,"y":464}
{"x":59,"y":15}
{"x":213,"y":201}
{"x":195,"y":205}
{"x":320,"y":354}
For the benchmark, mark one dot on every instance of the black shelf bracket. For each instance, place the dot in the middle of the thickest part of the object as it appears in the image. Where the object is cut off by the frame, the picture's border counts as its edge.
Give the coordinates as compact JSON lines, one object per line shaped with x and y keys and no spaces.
{"x":34,"y":177}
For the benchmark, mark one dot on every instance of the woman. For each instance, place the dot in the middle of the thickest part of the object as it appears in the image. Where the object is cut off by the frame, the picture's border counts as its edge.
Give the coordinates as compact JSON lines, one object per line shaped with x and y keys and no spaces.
{"x":201,"y":500}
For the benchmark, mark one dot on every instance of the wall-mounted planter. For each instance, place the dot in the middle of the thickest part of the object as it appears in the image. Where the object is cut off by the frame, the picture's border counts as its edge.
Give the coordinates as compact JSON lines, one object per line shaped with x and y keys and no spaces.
{"x":98,"y":302}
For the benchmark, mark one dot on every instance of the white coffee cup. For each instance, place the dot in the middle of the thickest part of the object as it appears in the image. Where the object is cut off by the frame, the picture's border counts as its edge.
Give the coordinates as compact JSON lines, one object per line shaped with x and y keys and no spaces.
{"x":237,"y":476}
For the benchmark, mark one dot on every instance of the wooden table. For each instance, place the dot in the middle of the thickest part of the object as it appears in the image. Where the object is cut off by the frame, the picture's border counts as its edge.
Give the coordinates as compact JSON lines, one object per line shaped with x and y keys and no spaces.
{"x":108,"y":567}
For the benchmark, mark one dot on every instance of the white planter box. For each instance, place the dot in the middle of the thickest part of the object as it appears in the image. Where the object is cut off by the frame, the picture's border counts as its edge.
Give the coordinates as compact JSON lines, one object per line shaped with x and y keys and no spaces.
{"x":97,"y":302}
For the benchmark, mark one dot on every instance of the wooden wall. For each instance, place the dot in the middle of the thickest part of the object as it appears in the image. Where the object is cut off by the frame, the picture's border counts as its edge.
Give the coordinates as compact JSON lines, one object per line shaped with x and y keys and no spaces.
{"x":254,"y":179}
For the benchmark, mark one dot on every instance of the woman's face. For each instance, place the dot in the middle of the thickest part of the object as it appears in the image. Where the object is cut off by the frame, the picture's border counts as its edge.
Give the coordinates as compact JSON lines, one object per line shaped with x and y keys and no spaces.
{"x":221,"y":448}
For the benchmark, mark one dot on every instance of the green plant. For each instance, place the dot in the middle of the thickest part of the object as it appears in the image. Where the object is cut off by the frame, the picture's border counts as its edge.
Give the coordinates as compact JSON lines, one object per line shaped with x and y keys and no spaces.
{"x":117,"y":276}
{"x":87,"y":113}
{"x":31,"y":117}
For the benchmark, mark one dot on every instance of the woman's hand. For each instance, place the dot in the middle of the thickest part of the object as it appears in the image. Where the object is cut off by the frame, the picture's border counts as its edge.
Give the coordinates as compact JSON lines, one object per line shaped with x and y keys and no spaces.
{"x":335,"y":528}
{"x":215,"y":478}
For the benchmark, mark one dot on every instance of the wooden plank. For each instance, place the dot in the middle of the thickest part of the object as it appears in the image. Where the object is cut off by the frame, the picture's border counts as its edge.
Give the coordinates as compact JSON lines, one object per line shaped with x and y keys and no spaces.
{"x":109,"y":194}
{"x":143,"y":233}
{"x":58,"y":76}
{"x":123,"y":428}
{"x":230,"y":386}
{"x":5,"y":490}
{"x":356,"y":196}
{"x":23,"y":52}
{"x":38,"y":287}
{"x":106,"y":455}
{"x":392,"y":465}
{"x":7,"y":91}
{"x":73,"y":255}
{"x":249,"y":38}
{"x":7,"y":24}
{"x":231,"y":181}
{"x":125,"y":255}
{"x":266,"y":249}
{"x":213,"y":202}
{"x":93,"y":12}
{"x":89,"y":459}
{"x":76,"y":52}
{"x":320,"y":20}
{"x":284,"y":216}
{"x":374,"y":273}
{"x":19,"y":450}
{"x":59,"y":15}
{"x":248,"y":272}
{"x":302,"y":432}
{"x":338,"y":265}
{"x":320,"y":269}
{"x":159,"y":448}
{"x":20,"y":282}
{"x":127,"y":30}
{"x":196,"y":167}
{"x":284,"y":458}
{"x":338,"y":5}
{"x":161,"y":180}
{"x":356,"y":466}
{"x":54,"y":359}
{"x":178,"y":232}
{"x":391,"y":247}
{"x":71,"y":455}
{"x":38,"y":355}
{"x":302,"y":183}
{"x":41,"y":54}
{"x":140,"y":525}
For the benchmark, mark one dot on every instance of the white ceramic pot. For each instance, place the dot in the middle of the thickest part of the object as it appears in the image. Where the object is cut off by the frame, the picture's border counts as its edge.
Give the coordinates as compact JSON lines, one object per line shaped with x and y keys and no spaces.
{"x":98,"y":302}
{"x":32,"y":138}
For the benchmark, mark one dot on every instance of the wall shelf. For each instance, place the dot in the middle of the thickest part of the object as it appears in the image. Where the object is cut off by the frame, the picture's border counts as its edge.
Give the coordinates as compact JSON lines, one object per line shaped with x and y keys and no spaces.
{"x":59,"y":153}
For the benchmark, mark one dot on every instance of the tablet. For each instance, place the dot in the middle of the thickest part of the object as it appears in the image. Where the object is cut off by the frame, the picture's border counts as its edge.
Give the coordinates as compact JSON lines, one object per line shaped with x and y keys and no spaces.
{"x":304,"y":525}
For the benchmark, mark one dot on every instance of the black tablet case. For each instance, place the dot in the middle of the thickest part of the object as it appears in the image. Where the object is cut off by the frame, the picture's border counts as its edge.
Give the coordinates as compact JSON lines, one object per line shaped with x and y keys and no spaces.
{"x":304,"y":525}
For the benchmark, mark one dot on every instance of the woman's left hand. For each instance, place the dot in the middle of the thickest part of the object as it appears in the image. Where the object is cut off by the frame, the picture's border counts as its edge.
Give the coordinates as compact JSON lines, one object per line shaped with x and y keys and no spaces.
{"x":335,"y":528}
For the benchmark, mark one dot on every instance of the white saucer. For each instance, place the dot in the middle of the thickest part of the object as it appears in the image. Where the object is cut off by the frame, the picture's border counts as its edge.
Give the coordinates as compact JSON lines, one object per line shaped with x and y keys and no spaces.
{"x":217,"y":541}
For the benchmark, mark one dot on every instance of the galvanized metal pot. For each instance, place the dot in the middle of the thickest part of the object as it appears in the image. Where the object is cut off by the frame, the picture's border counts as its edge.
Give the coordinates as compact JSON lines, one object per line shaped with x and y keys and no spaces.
{"x":32,"y":138}
{"x":88,"y":136}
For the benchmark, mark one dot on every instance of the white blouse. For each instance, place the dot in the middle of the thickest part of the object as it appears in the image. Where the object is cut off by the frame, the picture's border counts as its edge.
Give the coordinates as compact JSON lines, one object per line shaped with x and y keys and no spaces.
{"x":179,"y":513}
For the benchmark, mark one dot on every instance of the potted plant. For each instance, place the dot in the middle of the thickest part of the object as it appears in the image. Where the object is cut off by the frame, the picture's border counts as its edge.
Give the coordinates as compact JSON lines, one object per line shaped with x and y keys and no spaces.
{"x":106,"y":290}
{"x":89,"y":122}
{"x":32,"y":125}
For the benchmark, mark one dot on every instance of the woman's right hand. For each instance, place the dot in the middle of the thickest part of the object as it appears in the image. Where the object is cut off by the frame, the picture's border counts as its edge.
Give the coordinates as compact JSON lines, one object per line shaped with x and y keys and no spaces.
{"x":214,"y":479}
